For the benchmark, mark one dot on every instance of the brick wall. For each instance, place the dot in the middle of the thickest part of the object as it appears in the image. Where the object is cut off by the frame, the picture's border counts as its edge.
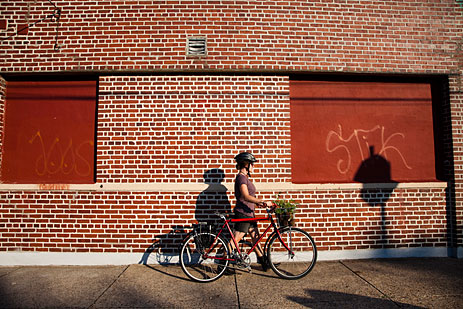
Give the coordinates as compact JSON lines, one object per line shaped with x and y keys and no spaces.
{"x":2,"y":112}
{"x":175,"y":128}
{"x":187,"y":129}
{"x":63,"y":221}
{"x":457,"y":121}
{"x":165,"y":118}
{"x":350,"y":36}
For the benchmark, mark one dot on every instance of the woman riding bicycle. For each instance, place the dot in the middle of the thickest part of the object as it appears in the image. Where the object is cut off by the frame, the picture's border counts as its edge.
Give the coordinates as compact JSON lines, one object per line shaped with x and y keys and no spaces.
{"x":246,"y":201}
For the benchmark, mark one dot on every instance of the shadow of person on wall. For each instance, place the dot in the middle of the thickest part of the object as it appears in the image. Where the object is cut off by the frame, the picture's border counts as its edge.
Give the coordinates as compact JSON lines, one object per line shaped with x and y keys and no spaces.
{"x":213,"y":199}
{"x":375,"y":175}
{"x":165,"y":247}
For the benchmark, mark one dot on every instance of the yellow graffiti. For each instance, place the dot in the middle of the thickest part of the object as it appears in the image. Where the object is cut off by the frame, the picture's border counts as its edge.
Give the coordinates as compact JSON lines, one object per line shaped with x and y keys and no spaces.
{"x":359,"y":136}
{"x":58,"y":159}
{"x":54,"y":186}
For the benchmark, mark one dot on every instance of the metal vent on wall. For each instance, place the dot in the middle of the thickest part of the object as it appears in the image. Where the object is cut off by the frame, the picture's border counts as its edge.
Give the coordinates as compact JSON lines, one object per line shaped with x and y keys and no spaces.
{"x":196,"y":46}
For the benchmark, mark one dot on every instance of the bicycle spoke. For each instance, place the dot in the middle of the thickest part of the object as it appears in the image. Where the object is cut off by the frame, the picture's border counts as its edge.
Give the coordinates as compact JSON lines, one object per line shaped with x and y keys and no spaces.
{"x":297,"y":262}
{"x":193,"y":262}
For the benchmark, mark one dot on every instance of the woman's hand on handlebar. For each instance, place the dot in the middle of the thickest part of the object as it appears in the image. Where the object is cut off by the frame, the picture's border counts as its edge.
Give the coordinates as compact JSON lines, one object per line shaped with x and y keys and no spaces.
{"x":269,"y":206}
{"x":266,"y":204}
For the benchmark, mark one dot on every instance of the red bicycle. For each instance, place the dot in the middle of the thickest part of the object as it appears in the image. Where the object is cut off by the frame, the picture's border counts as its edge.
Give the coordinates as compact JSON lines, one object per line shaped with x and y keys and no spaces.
{"x":205,"y":255}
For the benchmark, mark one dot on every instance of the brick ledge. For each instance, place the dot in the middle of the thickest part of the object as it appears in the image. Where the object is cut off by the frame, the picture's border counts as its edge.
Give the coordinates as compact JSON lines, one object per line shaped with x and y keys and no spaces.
{"x":197,"y":187}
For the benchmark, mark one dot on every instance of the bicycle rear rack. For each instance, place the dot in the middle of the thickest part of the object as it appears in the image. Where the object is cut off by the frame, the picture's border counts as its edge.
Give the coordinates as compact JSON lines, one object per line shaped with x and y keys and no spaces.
{"x":202,"y":227}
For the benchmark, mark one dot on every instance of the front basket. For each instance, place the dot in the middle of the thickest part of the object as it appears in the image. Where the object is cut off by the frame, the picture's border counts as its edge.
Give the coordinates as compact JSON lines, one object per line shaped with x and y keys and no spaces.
{"x":285,"y":219}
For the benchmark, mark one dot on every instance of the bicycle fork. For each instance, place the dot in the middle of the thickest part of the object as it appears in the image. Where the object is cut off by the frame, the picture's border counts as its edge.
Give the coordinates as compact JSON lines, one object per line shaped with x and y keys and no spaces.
{"x":290,"y":248}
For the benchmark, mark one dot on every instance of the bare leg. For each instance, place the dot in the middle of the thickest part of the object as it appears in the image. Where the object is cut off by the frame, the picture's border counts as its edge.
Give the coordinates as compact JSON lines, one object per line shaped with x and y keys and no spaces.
{"x":254,"y":233}
{"x":258,"y":249}
{"x":238,"y":236}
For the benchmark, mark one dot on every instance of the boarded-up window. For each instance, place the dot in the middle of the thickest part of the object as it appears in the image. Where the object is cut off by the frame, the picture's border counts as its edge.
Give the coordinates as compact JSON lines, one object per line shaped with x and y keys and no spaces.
{"x":49,"y":132}
{"x":361,"y":131}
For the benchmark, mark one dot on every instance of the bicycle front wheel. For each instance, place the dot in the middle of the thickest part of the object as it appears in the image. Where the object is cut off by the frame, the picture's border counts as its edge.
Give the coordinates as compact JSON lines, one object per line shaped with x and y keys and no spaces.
{"x":294,"y":255}
{"x":203,"y":257}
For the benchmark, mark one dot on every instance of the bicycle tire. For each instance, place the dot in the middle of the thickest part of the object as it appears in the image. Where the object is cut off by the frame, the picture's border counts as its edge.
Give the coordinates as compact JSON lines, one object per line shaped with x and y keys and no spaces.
{"x":292,"y":266}
{"x":193,"y":263}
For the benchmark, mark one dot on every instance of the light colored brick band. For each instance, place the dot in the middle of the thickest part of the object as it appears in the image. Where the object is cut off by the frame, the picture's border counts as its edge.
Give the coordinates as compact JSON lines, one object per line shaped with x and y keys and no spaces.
{"x":196,"y":187}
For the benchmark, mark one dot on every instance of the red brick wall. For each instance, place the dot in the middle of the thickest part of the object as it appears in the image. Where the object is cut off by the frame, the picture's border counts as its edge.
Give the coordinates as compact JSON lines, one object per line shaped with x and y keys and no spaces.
{"x":456,"y":97}
{"x":2,"y":112}
{"x":63,"y":221}
{"x":350,"y":36}
{"x":167,"y":118}
{"x":174,"y":128}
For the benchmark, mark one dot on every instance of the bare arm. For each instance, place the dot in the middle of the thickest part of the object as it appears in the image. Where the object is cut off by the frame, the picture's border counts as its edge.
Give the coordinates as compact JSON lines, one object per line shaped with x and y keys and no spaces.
{"x":247,"y":197}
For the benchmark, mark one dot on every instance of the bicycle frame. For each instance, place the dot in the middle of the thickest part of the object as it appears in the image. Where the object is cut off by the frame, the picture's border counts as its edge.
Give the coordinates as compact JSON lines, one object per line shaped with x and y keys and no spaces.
{"x":269,"y":217}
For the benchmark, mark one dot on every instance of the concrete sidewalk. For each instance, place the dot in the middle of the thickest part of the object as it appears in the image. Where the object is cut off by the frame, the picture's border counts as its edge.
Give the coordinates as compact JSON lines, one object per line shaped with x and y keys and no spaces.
{"x":382,"y":283}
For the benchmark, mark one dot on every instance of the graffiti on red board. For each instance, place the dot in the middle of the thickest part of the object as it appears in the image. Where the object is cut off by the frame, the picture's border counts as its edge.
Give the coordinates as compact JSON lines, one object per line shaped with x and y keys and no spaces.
{"x":59,"y":186}
{"x":61,"y":157}
{"x":353,"y":146}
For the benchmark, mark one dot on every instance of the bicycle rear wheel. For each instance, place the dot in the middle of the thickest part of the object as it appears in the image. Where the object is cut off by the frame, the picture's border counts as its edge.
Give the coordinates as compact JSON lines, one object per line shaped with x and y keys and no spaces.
{"x":296,"y":262}
{"x":193,"y":261}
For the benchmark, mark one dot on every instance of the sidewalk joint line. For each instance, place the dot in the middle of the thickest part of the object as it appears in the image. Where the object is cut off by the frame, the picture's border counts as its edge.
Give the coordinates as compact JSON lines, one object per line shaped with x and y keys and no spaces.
{"x":112,"y":283}
{"x":10,"y":272}
{"x":370,"y":284}
{"x":237,"y":292}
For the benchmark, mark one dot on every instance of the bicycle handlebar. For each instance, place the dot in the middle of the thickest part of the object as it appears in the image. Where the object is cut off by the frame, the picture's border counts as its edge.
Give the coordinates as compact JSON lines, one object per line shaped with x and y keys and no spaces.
{"x":225,"y":215}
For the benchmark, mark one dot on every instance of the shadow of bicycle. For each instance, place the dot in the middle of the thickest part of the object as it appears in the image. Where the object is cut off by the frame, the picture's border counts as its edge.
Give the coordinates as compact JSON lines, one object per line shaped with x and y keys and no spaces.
{"x":165,"y":248}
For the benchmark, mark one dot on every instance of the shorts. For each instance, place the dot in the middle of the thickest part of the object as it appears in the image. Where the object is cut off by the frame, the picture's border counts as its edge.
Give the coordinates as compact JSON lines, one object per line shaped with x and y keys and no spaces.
{"x":244,"y":226}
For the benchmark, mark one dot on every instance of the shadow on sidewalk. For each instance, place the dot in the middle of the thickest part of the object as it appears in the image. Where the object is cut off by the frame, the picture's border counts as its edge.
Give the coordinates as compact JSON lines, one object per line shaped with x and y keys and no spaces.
{"x":157,"y":269}
{"x":331,"y":299}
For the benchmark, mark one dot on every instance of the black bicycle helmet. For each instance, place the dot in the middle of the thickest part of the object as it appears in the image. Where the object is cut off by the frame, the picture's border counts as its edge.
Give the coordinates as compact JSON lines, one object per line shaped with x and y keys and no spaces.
{"x":245,"y":156}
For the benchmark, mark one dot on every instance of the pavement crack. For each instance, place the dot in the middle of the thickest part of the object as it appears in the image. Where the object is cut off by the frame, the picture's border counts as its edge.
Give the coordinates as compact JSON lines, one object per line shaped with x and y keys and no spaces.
{"x":237,"y":292}
{"x":10,"y":272}
{"x":109,"y":286}
{"x":370,"y":284}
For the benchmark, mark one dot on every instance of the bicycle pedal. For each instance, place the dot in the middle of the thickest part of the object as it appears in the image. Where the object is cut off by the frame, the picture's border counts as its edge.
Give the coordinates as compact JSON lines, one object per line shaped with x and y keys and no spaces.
{"x":240,"y":268}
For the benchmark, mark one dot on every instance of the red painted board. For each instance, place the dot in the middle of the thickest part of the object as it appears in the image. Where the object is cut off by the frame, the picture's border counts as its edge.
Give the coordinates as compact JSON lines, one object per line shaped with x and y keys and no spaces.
{"x":334,"y":126}
{"x":49,"y":132}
